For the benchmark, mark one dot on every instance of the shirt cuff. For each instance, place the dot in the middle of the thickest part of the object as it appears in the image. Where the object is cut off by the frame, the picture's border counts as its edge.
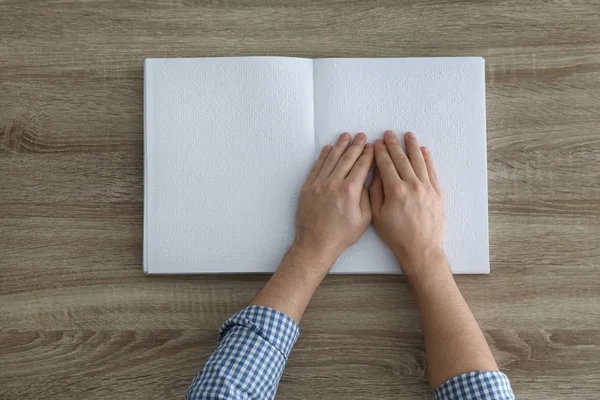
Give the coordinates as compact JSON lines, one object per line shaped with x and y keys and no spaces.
{"x":274,"y":326}
{"x":484,"y":385}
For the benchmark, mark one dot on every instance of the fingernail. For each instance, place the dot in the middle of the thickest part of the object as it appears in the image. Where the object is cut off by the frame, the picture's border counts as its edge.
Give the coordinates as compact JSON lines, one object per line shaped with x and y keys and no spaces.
{"x":379,"y":141}
{"x":410,"y":135}
{"x":389,"y":134}
{"x":345,"y":136}
{"x":361,"y":137}
{"x":426,"y":150}
{"x":368,"y":145}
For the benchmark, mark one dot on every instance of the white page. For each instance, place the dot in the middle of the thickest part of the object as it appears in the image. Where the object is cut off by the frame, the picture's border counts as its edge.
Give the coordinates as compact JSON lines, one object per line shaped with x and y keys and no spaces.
{"x":442,"y":100}
{"x":228,"y":144}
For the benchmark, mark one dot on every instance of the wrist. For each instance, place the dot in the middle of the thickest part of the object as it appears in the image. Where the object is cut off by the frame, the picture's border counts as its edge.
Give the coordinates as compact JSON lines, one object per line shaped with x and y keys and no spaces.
{"x":315,"y":260}
{"x":425,"y":267}
{"x":293,"y":284}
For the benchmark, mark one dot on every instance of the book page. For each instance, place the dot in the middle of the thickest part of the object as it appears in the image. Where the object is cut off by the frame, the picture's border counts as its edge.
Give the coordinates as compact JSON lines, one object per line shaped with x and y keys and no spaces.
{"x":228,"y":144}
{"x":441,"y":100}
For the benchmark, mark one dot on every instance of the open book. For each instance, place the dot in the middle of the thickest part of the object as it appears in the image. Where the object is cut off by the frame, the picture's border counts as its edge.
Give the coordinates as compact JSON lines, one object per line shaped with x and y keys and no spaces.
{"x":229,"y":142}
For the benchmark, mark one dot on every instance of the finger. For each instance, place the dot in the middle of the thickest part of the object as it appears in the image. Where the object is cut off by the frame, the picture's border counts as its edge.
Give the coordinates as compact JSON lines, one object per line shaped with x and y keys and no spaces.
{"x":335,"y":154}
{"x":416,"y":157}
{"x":376,"y":192}
{"x":314,"y":172}
{"x":360,"y":170}
{"x":348,"y":159}
{"x":387,"y":169}
{"x":401,"y":161}
{"x":431,"y":171}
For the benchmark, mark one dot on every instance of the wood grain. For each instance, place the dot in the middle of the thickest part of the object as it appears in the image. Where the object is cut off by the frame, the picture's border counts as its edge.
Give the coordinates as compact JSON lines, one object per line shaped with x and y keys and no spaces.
{"x":78,"y":319}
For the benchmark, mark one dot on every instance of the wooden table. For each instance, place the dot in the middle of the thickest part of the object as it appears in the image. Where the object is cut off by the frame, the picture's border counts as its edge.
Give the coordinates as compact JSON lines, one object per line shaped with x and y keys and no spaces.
{"x":78,"y":319}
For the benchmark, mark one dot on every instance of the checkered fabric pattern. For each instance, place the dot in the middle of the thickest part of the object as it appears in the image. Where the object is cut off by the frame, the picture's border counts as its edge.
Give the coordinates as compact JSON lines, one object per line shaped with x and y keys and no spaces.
{"x":251,"y":353}
{"x":253,"y":348}
{"x":479,"y":385}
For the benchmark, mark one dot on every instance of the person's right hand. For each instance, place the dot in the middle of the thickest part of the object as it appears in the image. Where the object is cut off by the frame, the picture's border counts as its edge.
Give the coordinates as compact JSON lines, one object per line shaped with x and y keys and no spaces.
{"x":406,"y":203}
{"x":333,"y":209}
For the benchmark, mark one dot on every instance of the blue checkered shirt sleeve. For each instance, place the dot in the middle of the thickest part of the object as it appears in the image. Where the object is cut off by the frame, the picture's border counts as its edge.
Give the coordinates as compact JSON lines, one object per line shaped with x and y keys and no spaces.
{"x":479,"y":385}
{"x":251,"y":353}
{"x":253,"y":348}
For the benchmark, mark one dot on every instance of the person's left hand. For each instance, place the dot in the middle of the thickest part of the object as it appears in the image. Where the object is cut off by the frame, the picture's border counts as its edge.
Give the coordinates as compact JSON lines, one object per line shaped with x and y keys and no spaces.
{"x":334,"y":208}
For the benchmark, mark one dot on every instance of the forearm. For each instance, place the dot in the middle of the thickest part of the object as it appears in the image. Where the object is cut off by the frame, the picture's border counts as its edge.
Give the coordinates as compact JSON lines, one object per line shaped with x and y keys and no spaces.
{"x":454,"y":343}
{"x":259,"y":338}
{"x":294,"y":283}
{"x":333,"y":212}
{"x":251,"y":354}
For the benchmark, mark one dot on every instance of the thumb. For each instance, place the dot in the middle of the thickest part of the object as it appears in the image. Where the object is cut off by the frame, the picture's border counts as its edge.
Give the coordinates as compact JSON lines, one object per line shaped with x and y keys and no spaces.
{"x":376,"y":192}
{"x":365,"y":205}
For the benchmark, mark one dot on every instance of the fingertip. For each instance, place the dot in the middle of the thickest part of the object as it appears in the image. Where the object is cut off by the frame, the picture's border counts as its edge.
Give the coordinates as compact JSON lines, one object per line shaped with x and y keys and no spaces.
{"x":360,"y":140}
{"x":390,"y":138}
{"x":410,"y":135}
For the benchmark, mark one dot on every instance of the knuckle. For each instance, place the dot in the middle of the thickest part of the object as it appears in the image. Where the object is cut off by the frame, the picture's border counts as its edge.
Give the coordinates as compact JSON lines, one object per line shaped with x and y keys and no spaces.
{"x":393,"y":144}
{"x":332,"y":183}
{"x":399,"y":189}
{"x":364,"y":161}
{"x":329,"y":160}
{"x":417,"y":188}
{"x":344,"y":158}
{"x":353,"y":150}
{"x":339,"y":149}
{"x":387,"y":163}
{"x":354,"y":146}
{"x":358,"y":147}
{"x":395,"y":147}
{"x":348,"y":187}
